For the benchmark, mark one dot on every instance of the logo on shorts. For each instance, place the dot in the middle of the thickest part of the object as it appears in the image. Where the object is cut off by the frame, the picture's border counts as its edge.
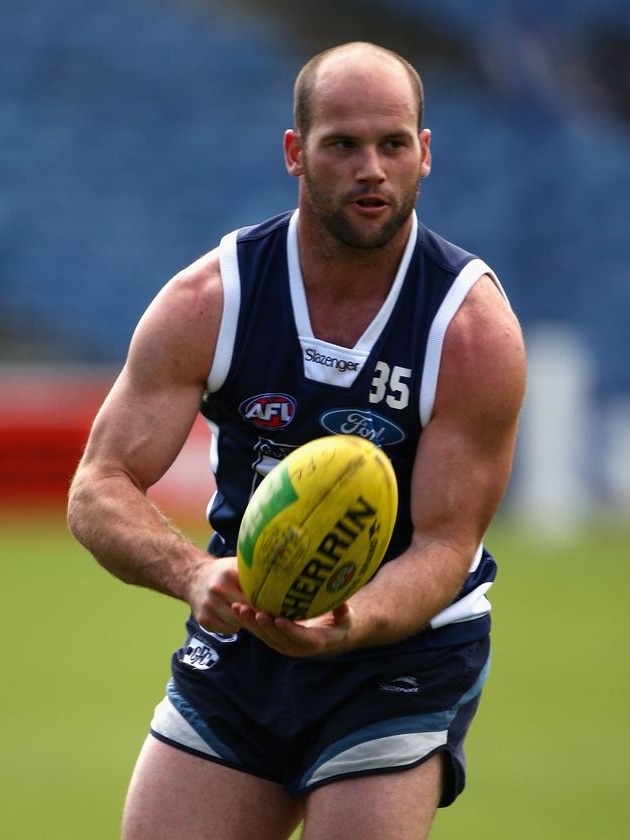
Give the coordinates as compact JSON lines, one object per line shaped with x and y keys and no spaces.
{"x":401,"y":685}
{"x":199,"y":655}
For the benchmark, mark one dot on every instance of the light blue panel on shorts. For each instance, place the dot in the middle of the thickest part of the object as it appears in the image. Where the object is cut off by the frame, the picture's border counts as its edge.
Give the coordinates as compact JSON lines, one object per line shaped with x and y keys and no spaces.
{"x":388,"y":744}
{"x":175,"y":720}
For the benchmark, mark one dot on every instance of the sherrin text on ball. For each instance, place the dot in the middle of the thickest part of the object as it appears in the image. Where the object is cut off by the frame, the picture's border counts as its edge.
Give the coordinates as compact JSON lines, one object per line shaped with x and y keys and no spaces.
{"x":317,"y":527}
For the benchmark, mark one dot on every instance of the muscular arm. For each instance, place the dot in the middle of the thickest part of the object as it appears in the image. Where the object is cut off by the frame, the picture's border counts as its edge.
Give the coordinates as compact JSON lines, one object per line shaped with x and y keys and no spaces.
{"x":461,"y":471}
{"x":137,"y":434}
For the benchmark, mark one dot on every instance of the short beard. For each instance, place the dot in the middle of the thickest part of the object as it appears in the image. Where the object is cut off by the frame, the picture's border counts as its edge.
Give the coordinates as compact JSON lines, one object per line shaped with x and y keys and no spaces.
{"x":348,"y":234}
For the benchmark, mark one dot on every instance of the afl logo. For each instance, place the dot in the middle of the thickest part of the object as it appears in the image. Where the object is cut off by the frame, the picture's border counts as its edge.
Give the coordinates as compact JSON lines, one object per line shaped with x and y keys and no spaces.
{"x":269,"y":411}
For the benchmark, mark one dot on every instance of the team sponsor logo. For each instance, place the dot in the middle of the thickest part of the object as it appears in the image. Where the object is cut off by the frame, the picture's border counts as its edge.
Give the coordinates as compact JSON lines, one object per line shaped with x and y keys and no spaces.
{"x":313,"y":355}
{"x":402,"y":685}
{"x":366,"y":424}
{"x":341,"y":578}
{"x":269,"y":411}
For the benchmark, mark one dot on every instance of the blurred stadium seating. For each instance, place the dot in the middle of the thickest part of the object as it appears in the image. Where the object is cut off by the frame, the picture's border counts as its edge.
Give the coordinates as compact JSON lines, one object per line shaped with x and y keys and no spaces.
{"x":127,"y":131}
{"x":133,"y":134}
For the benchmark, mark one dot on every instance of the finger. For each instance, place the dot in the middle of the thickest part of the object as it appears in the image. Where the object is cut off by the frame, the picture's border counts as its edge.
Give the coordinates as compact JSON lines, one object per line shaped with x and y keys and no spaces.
{"x":219,"y":620}
{"x":341,"y":611}
{"x":215,"y":625}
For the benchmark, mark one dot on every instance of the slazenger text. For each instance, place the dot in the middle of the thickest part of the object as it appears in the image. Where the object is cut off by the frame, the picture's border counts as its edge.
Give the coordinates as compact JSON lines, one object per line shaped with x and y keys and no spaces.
{"x":312,"y":355}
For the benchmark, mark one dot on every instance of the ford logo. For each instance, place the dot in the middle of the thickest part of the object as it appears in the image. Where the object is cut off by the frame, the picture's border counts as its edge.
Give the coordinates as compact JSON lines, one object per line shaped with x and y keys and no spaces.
{"x":365,"y":424}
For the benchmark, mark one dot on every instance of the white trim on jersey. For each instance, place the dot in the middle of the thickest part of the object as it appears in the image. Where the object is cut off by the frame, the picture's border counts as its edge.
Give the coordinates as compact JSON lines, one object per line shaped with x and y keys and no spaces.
{"x":473,"y":605}
{"x":231,"y":282}
{"x":331,"y":363}
{"x":455,"y":296}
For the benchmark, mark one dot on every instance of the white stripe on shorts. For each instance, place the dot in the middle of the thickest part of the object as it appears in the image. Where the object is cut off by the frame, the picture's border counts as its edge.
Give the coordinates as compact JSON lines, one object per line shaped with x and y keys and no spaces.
{"x":176,"y":721}
{"x":399,"y":742}
{"x":170,"y":724}
{"x":390,"y":751}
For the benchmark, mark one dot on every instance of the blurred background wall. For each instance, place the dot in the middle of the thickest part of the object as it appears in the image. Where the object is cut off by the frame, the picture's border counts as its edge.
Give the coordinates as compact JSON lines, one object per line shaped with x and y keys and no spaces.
{"x":134,"y":133}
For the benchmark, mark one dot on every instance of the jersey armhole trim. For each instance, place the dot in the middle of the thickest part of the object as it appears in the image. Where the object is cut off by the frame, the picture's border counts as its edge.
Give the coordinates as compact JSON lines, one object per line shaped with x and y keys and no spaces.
{"x":468,"y":276}
{"x":231,"y":283}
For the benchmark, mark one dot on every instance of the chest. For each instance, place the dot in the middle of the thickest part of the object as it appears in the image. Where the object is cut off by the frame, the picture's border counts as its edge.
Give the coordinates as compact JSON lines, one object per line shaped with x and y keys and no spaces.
{"x":341,"y":322}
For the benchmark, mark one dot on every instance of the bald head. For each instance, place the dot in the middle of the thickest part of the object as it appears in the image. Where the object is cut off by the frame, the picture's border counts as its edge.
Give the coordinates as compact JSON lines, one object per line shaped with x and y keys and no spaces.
{"x":339,"y":63}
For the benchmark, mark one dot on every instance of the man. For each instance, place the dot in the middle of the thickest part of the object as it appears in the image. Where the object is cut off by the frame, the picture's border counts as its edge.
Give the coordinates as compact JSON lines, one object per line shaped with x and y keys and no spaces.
{"x":357,"y":319}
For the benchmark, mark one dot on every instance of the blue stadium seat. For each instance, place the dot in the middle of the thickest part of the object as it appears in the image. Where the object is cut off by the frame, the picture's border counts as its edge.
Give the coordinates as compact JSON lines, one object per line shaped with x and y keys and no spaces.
{"x":133,"y":134}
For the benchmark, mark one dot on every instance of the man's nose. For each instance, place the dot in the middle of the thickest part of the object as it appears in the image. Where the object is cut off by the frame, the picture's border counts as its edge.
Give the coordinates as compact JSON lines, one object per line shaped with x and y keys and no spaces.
{"x":371,"y":166}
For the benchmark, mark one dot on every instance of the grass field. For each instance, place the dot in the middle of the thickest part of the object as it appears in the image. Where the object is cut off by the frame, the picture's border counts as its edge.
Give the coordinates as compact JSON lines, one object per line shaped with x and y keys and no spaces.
{"x":86,"y":658}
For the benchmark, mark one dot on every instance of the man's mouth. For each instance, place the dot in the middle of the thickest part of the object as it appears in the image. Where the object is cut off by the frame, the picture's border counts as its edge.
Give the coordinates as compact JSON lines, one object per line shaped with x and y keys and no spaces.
{"x":370,"y":201}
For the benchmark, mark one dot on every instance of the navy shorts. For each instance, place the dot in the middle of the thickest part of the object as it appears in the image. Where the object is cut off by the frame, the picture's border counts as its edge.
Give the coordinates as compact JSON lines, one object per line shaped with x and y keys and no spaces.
{"x":308,"y":722}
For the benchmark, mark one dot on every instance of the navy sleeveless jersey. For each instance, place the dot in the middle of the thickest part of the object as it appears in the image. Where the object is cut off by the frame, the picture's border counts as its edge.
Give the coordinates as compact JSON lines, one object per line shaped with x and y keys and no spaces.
{"x":274,"y":386}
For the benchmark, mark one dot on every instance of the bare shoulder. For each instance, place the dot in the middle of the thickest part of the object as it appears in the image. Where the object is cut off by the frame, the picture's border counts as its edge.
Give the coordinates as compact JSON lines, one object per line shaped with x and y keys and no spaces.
{"x":484,"y":355}
{"x":178,"y":331}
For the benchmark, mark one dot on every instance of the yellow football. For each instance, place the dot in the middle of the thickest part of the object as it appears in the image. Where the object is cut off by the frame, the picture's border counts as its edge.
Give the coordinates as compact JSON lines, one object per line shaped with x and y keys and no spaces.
{"x":317,"y":527}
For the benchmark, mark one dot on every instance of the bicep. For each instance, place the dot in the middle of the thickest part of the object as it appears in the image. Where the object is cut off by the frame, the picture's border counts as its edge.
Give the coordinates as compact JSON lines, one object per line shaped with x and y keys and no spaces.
{"x":139,"y":431}
{"x":150,"y":410}
{"x":466,"y":451}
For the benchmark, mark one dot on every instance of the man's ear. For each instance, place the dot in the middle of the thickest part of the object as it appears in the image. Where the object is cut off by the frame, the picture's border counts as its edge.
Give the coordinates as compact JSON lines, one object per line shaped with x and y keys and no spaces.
{"x":425,"y":149}
{"x":293,"y":152}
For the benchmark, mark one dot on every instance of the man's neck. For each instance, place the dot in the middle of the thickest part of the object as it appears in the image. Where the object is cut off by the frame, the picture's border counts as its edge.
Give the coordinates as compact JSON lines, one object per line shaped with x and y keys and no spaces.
{"x":345,"y":287}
